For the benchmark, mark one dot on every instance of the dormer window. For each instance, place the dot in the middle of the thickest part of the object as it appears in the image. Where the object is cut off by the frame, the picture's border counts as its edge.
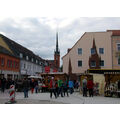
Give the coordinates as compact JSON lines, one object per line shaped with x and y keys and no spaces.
{"x":92,"y":51}
{"x":21,"y":55}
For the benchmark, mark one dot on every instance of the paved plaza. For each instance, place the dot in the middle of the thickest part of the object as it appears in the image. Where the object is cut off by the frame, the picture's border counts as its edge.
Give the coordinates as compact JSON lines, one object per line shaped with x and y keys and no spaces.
{"x":44,"y":98}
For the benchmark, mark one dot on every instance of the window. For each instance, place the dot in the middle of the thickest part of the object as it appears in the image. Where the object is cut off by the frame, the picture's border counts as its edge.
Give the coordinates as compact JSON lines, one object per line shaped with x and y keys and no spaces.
{"x":93,"y":64}
{"x":80,"y":63}
{"x":7,"y":63}
{"x":14,"y":64}
{"x":36,"y":61}
{"x":11,"y":64}
{"x":21,"y":55}
{"x":79,"y":51}
{"x":2,"y":61}
{"x":119,"y":61}
{"x":92,"y":51}
{"x":32,"y":59}
{"x":102,"y":63}
{"x":101,"y":50}
{"x":24,"y":66}
{"x":118,"y":47}
{"x":27,"y":58}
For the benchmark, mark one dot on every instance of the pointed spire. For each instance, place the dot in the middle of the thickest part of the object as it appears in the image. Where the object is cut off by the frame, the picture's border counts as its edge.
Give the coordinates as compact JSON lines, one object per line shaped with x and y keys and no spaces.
{"x":94,"y":45}
{"x":57,"y":42}
{"x":57,"y":47}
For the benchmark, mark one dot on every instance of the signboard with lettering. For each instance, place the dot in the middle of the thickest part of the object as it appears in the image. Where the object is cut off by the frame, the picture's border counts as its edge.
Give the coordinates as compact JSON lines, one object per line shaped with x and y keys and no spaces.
{"x":47,"y":69}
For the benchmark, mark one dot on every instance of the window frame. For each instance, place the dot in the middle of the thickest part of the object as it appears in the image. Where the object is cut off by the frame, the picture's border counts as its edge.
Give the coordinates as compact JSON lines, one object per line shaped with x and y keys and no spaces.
{"x":118,"y":60}
{"x":81,"y":63}
{"x":91,"y":63}
{"x":91,"y":51}
{"x":80,"y":52}
{"x":103,"y":63}
{"x":101,"y":49}
{"x":117,"y":47}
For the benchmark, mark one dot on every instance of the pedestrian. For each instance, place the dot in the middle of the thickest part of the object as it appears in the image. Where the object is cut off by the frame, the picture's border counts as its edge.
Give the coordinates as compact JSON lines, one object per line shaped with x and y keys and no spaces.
{"x":84,"y":86}
{"x":36,"y":86}
{"x":71,"y":86}
{"x":32,"y":86}
{"x":25,"y":88}
{"x":3,"y":83}
{"x":60,"y":87}
{"x":56,"y":86}
{"x":65,"y":88}
{"x":52,"y":88}
{"x":90,"y":86}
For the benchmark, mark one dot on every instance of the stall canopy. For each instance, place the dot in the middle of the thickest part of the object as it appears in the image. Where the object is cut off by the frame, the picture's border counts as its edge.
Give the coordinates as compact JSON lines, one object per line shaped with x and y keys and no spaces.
{"x":37,"y":77}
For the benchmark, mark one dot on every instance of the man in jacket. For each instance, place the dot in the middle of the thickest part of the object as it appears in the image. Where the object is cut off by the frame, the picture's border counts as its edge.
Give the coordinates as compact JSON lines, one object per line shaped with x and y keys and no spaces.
{"x":71,"y":86}
{"x":60,"y":88}
{"x":84,"y":86}
{"x":25,"y":88}
{"x":52,"y":88}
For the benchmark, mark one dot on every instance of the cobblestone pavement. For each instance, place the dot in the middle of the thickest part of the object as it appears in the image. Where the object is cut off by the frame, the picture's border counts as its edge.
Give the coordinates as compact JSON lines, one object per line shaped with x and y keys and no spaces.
{"x":44,"y":98}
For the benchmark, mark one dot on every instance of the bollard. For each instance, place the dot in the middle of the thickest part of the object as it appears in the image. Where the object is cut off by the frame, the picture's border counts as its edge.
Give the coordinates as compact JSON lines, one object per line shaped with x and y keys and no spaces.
{"x":11,"y":95}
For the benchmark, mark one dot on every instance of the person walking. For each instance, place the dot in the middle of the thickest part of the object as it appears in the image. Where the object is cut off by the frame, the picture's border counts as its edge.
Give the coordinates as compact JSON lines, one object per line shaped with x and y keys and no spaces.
{"x":25,"y":88}
{"x":65,"y":88}
{"x":32,"y":86}
{"x":3,"y":83}
{"x":60,"y":88}
{"x":84,"y":86}
{"x":90,"y":86}
{"x":52,"y":88}
{"x":71,"y":86}
{"x":56,"y":86}
{"x":36,"y":86}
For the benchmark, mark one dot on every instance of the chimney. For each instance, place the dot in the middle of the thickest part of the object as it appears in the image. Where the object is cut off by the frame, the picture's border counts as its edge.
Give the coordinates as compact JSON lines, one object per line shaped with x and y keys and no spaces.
{"x":68,"y":50}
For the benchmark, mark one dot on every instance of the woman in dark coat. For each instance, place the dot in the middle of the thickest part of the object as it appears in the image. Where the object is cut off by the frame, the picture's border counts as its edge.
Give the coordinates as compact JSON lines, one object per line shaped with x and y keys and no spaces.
{"x":25,"y":87}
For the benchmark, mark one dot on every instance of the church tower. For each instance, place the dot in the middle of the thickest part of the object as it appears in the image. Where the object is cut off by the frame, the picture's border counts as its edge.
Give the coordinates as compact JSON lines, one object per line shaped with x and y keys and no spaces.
{"x":57,"y":54}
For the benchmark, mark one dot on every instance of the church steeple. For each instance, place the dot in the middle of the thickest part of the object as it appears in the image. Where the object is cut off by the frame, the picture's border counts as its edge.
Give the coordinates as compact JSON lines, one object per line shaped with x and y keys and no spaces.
{"x":57,"y":54}
{"x":57,"y":48}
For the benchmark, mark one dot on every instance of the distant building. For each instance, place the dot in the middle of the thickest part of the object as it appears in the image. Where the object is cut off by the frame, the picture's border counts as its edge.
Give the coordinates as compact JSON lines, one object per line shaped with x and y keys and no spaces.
{"x":94,"y":50}
{"x":30,"y":64}
{"x":9,"y":63}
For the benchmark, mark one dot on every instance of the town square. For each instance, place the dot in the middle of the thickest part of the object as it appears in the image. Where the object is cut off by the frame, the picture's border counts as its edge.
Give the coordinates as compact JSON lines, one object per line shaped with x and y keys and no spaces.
{"x":59,"y":59}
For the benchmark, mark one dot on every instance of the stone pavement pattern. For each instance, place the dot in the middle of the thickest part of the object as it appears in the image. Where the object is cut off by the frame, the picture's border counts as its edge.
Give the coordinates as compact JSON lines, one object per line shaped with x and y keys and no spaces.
{"x":44,"y":98}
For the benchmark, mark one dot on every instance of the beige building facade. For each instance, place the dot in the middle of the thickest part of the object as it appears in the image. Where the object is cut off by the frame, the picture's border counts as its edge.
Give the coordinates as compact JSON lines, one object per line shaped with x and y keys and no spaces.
{"x":94,"y":50}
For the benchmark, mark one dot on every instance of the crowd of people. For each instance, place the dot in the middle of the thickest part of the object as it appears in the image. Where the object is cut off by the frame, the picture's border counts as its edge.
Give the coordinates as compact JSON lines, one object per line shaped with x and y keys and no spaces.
{"x":5,"y":84}
{"x":56,"y":87}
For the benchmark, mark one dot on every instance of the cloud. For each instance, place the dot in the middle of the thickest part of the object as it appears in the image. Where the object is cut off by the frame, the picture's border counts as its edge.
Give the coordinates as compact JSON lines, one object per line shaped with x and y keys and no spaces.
{"x":39,"y":34}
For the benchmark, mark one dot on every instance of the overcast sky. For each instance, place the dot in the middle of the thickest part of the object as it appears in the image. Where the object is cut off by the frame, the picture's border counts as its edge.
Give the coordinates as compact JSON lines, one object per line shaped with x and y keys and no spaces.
{"x":33,"y":23}
{"x":39,"y":33}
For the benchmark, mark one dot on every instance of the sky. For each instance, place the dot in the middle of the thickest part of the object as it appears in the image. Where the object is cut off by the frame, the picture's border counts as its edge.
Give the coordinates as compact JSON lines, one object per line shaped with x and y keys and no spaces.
{"x":34,"y":23}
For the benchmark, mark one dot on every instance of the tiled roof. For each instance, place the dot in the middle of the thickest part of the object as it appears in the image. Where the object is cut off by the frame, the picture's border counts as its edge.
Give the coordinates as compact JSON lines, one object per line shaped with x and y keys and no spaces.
{"x":114,"y":32}
{"x":17,"y":49}
{"x":5,"y":51}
